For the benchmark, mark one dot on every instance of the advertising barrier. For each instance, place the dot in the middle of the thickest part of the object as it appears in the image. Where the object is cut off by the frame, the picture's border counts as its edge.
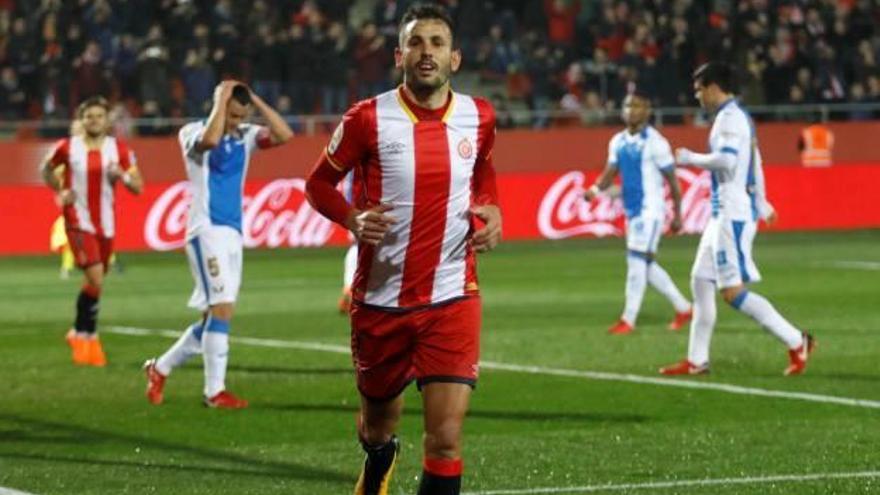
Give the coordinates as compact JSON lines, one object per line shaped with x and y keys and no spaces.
{"x":536,"y":205}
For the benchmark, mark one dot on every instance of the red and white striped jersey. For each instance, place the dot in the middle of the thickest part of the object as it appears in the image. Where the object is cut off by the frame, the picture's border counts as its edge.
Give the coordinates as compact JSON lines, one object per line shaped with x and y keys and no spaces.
{"x":428,"y":166}
{"x":86,"y":174}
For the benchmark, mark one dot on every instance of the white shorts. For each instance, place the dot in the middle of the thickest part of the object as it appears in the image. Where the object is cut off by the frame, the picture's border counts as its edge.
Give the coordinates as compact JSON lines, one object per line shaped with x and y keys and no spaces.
{"x":725,"y":253}
{"x":215,"y":256}
{"x":643,"y":234}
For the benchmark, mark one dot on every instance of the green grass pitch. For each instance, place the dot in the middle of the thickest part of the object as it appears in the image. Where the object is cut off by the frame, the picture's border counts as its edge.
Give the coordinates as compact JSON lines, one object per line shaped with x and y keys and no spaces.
{"x":546,"y":304}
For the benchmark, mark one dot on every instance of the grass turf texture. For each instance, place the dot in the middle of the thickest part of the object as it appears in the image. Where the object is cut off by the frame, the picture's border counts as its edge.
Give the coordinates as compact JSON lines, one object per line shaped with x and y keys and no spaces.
{"x":91,"y":431}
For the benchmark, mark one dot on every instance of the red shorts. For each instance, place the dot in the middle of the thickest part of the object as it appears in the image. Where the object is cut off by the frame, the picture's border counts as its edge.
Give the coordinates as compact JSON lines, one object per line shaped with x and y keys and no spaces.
{"x":432,"y":344}
{"x":89,"y":249}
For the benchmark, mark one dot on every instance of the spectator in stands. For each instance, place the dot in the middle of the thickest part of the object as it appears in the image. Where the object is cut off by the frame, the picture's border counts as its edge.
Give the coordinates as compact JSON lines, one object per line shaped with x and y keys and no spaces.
{"x":333,"y":71}
{"x":561,"y":17}
{"x":266,"y":68}
{"x":299,"y":65}
{"x":154,"y":73}
{"x":372,"y":61}
{"x":125,"y":66}
{"x":198,"y":80}
{"x":91,"y":76}
{"x":13,"y":99}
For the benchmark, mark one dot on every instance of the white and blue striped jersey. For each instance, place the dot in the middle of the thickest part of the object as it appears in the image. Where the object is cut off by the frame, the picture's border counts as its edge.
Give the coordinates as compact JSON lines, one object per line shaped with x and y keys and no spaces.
{"x":640,"y":160}
{"x":216,"y":176}
{"x":735,"y":194}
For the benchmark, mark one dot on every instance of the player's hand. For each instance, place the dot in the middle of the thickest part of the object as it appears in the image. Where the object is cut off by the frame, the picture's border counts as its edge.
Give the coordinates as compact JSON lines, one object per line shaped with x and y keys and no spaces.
{"x":224,"y":89}
{"x":675,"y":225}
{"x":591,"y":193}
{"x":683,"y":156}
{"x":370,"y":226}
{"x":65,"y":197}
{"x":114,"y":173}
{"x":487,"y":238}
{"x":771,"y":218}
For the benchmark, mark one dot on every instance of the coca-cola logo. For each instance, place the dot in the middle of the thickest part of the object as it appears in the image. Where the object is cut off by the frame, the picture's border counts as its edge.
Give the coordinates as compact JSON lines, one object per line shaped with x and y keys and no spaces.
{"x":564,"y":213}
{"x":276,"y":215}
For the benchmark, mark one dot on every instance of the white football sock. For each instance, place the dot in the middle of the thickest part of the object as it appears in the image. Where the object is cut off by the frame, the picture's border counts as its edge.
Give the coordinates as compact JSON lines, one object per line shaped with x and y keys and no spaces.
{"x":660,"y":280}
{"x":703,"y":321}
{"x":636,"y":281}
{"x":350,"y":265}
{"x":766,"y":315}
{"x":215,"y":346}
{"x":187,"y":346}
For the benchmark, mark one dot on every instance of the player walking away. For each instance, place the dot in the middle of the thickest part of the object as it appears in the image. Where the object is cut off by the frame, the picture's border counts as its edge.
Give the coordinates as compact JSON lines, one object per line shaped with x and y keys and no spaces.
{"x":216,"y":152}
{"x":643,"y":158}
{"x":92,"y":162}
{"x":724,"y":257}
{"x":350,"y":263}
{"x":421,"y":156}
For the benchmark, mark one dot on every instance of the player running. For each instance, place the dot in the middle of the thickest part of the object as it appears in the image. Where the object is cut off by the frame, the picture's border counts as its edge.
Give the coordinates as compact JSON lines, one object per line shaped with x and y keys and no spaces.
{"x":643,"y":158}
{"x":92,"y":162}
{"x":724,"y":257}
{"x":216,"y":152}
{"x":422,"y":159}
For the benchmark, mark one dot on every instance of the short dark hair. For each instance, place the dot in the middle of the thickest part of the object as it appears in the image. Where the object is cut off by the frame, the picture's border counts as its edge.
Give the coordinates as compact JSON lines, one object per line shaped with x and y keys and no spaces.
{"x":720,"y":73}
{"x":241,"y":94}
{"x":92,"y":101}
{"x":420,"y":11}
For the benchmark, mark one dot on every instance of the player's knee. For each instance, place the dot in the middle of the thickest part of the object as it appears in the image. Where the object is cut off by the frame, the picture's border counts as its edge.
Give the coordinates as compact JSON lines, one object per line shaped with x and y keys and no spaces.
{"x":222,"y":311}
{"x":444,"y":440}
{"x":731,"y":294}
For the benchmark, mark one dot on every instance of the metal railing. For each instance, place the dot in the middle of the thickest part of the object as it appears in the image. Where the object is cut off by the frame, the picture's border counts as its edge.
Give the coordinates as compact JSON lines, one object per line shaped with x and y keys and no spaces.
{"x":317,"y":124}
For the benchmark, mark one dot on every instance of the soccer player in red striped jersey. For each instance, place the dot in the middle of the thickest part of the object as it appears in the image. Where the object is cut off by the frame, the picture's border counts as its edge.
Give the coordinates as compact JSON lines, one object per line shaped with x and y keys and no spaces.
{"x":422,"y":161}
{"x":92,"y":162}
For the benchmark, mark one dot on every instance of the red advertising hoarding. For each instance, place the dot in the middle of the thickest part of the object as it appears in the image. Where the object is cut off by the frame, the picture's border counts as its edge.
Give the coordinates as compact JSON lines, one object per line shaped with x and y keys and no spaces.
{"x":536,"y":205}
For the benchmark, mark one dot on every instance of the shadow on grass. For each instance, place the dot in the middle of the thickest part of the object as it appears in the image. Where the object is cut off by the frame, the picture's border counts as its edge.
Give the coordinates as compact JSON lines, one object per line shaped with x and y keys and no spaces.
{"x":38,"y":431}
{"x":591,"y":417}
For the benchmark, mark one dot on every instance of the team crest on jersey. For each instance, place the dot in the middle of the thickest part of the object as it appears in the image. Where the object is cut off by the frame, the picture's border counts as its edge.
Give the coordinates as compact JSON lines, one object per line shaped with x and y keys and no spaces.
{"x":336,"y":138}
{"x":465,"y":149}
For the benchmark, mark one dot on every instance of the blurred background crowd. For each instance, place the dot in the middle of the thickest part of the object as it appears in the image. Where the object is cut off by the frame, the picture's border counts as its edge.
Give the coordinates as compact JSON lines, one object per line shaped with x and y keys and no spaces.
{"x":162,"y":58}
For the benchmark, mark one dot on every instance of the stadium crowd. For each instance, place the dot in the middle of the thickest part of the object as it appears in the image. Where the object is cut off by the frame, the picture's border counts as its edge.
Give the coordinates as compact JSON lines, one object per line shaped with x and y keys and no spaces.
{"x":163,"y":57}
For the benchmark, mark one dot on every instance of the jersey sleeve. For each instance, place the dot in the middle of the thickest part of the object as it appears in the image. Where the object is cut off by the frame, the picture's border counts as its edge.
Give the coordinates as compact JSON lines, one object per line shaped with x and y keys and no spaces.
{"x":349,"y":143}
{"x":662,"y":155}
{"x":612,"y":152}
{"x":485,"y":189}
{"x":188,"y":137}
{"x":127,"y":159}
{"x":59,"y":154}
{"x":257,"y":137}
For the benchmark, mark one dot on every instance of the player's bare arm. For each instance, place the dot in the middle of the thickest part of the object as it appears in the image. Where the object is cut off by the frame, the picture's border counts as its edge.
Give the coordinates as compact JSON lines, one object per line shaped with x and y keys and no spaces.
{"x":602,"y":183}
{"x":216,"y":124}
{"x":64,"y":196}
{"x":489,"y":236}
{"x":279,"y":131}
{"x":675,"y":192}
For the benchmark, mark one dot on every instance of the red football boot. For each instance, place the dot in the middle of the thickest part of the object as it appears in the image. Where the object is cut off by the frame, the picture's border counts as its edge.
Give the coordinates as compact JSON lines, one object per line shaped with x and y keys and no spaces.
{"x":620,"y":328}
{"x":680,"y":320}
{"x":155,"y":382}
{"x":684,"y":367}
{"x":797,"y":358}
{"x":225,"y":400}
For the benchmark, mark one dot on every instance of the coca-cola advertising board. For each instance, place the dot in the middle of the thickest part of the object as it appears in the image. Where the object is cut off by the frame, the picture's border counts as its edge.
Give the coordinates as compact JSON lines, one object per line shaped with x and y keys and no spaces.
{"x":536,"y":205}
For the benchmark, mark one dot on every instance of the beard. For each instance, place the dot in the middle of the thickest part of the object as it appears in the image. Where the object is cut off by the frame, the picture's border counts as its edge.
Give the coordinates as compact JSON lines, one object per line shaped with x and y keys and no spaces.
{"x":432,"y":83}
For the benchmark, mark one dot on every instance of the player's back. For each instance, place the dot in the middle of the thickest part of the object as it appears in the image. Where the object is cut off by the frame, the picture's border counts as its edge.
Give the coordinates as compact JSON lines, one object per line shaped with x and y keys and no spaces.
{"x":733,"y":133}
{"x":640,"y":159}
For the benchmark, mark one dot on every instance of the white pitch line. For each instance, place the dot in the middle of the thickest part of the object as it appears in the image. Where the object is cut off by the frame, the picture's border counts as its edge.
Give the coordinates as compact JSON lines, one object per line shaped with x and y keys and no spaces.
{"x":782,"y":478}
{"x":854,"y":265}
{"x":10,"y":491}
{"x":540,"y":370}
